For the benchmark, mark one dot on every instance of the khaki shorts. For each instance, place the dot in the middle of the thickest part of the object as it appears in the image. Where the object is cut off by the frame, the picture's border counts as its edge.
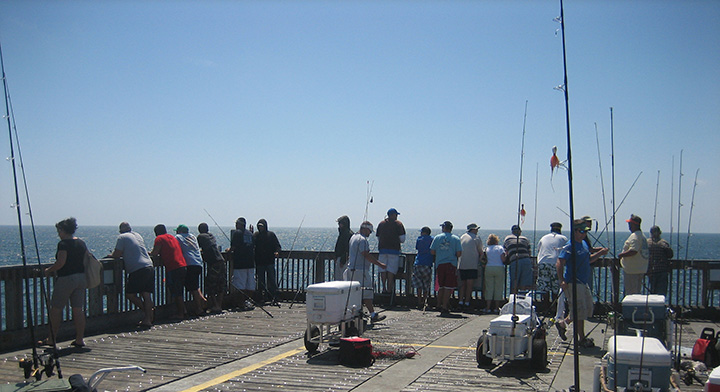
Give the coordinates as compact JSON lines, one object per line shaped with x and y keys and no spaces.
{"x":584,"y":303}
{"x":362,"y":276}
{"x":70,"y":287}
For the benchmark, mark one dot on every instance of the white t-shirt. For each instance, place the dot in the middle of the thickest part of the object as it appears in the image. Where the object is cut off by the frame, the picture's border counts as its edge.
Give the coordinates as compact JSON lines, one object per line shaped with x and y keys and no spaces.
{"x":494,"y":257}
{"x":638,"y":263}
{"x":549,"y":246}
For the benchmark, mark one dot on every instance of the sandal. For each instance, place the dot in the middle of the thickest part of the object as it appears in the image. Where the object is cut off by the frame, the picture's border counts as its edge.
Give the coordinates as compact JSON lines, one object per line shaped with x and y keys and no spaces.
{"x":45,"y":342}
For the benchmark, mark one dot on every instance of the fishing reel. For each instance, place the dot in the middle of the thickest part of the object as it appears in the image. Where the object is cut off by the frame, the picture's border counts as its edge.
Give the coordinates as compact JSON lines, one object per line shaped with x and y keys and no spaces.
{"x":47,"y":363}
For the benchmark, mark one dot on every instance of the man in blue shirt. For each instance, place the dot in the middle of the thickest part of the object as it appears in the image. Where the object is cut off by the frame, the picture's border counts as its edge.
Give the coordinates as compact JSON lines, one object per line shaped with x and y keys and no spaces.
{"x":581,"y":260}
{"x":447,"y":249}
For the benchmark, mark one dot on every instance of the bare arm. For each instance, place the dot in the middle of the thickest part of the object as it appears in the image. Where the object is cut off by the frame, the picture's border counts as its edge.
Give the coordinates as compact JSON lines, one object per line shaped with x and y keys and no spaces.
{"x":366,"y":254}
{"x":59,"y":263}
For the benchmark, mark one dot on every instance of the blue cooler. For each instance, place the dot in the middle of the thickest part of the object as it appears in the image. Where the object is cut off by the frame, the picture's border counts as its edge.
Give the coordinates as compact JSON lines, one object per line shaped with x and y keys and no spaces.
{"x":640,"y":309}
{"x":656,"y":363}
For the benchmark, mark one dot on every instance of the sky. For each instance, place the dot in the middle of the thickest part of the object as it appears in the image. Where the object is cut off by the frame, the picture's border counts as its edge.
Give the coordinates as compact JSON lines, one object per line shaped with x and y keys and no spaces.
{"x":297,"y":111}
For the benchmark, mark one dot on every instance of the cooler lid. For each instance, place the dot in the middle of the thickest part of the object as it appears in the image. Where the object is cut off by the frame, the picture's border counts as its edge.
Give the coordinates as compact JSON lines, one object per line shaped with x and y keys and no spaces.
{"x":505,"y":320}
{"x":631,"y":348}
{"x":714,"y":377}
{"x":652,"y":300}
{"x":334,"y":287}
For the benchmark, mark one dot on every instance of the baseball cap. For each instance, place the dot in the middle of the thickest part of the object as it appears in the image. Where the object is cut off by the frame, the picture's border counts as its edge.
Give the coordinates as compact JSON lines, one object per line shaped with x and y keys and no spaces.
{"x":634,"y":219}
{"x":393,"y":211}
{"x":447,"y":224}
{"x":182,"y":229}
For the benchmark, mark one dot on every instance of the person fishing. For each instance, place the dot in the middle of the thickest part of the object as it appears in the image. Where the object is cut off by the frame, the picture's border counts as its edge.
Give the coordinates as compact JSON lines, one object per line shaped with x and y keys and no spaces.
{"x":634,"y":257}
{"x":243,"y":263}
{"x":359,"y":267}
{"x":391,"y":234}
{"x":216,"y":267}
{"x":660,"y":253}
{"x":267,"y":248}
{"x":581,"y":260}
{"x":342,"y":246}
{"x":70,"y":283}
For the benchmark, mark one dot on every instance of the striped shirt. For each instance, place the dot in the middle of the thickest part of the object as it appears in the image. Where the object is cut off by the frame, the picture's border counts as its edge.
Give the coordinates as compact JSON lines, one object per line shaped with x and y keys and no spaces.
{"x":517,"y":247}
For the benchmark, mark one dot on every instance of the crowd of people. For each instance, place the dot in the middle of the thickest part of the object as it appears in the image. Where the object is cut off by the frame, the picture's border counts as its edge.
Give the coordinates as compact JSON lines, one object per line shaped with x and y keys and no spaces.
{"x":463,"y":264}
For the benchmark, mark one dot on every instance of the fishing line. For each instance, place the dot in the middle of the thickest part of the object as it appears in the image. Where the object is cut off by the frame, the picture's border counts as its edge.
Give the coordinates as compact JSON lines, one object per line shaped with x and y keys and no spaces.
{"x":287,"y":258}
{"x":657,"y":188}
{"x":305,"y":279}
{"x":218,"y":226}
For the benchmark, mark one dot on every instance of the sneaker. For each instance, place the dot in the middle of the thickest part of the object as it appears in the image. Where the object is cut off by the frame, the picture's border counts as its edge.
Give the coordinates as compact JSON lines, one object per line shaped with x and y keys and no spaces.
{"x":444,"y":312}
{"x":377,"y":317}
{"x":562,"y":330}
{"x":587,"y":343}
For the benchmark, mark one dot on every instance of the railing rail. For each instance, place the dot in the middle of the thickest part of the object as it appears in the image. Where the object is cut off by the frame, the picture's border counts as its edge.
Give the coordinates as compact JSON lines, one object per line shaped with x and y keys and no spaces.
{"x":694,"y":284}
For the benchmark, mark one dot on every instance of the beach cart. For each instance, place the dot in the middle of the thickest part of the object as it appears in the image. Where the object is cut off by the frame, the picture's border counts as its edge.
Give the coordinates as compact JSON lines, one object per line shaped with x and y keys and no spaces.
{"x":334,"y":310}
{"x":514,"y":335}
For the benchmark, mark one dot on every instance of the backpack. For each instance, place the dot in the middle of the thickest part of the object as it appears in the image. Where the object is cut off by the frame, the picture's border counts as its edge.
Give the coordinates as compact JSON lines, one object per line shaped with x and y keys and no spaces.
{"x":704,"y":349}
{"x":93,"y":269}
{"x":356,"y":352}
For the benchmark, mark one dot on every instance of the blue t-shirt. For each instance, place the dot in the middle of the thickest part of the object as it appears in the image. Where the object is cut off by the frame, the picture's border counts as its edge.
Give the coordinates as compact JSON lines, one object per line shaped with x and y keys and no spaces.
{"x":190,"y":248}
{"x":582,"y":255}
{"x":424,"y":257}
{"x":446,"y":246}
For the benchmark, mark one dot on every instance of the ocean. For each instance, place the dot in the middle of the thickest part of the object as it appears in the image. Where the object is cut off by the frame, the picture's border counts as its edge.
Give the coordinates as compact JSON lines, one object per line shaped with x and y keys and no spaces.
{"x":101,"y":241}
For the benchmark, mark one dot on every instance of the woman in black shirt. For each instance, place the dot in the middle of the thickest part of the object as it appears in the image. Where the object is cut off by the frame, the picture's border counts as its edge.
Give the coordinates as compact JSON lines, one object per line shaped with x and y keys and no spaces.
{"x":70,"y":283}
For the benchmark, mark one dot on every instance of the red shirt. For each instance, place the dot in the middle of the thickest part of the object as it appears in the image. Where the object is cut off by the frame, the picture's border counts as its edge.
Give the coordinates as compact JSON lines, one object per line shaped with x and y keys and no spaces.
{"x":170,"y":251}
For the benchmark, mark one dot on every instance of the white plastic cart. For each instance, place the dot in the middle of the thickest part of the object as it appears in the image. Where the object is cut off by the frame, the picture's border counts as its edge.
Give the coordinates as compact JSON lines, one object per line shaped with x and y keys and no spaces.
{"x":334,"y":310}
{"x":526,"y":341}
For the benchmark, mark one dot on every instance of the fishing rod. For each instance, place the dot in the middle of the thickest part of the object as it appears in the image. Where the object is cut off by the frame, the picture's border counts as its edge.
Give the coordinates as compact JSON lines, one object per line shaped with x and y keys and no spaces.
{"x":515,"y":279}
{"x":615,"y":210}
{"x":657,"y":188}
{"x":287,"y":258}
{"x":368,"y":198}
{"x":573,"y":256}
{"x":679,"y":203}
{"x":36,"y":360}
{"x":602,"y":182}
{"x":536,"y":209}
{"x":692,"y":204}
{"x":615,"y":269}
{"x":218,"y":226}
{"x":305,"y":279}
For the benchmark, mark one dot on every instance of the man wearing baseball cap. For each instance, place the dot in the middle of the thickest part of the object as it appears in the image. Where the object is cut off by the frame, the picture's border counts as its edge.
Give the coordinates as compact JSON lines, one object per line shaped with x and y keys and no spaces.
{"x":634,"y":257}
{"x":446,"y":248}
{"x":358,"y":267}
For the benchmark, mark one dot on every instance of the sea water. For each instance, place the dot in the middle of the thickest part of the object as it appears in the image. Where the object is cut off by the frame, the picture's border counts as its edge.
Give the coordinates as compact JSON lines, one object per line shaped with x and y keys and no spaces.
{"x":101,"y":241}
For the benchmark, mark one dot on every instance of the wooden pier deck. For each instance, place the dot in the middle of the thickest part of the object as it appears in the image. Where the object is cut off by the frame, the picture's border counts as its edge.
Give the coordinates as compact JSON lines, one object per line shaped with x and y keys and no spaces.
{"x":237,"y":351}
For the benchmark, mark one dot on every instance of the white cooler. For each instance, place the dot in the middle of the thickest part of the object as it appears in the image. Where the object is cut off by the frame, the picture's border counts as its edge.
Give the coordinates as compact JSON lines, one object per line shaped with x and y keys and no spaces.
{"x":713,"y":382}
{"x":656,"y":363}
{"x":326,"y":302}
{"x":500,"y":343}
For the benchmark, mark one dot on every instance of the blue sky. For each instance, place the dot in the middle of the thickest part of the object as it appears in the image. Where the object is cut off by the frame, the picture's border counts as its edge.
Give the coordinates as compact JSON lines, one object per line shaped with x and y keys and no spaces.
{"x":154,"y":111}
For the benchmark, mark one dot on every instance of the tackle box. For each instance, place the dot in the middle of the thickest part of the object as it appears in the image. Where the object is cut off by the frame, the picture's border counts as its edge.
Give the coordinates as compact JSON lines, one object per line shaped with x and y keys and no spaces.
{"x":333,"y":302}
{"x":631,"y":351}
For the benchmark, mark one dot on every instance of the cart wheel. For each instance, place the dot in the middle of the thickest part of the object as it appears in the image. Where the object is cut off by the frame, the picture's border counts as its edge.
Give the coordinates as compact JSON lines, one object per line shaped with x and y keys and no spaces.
{"x":351,"y":329}
{"x":314,"y":332}
{"x":480,"y":357}
{"x":539,"y":354}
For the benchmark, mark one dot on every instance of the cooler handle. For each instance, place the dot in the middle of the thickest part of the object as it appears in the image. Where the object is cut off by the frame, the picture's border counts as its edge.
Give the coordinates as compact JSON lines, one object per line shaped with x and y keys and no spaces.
{"x":652,"y":317}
